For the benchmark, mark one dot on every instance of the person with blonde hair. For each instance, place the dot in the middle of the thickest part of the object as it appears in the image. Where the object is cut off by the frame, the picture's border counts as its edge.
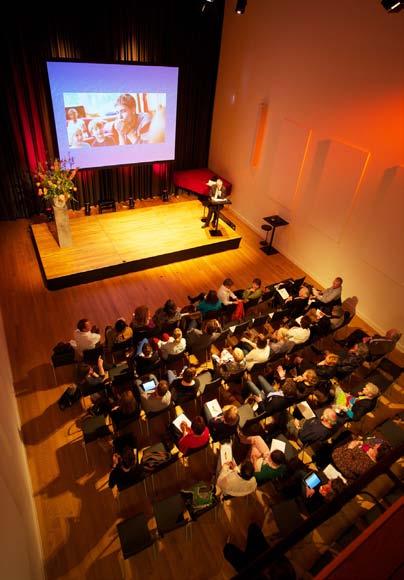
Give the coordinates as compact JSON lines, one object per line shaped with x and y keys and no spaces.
{"x":224,"y":426}
{"x":74,"y":123}
{"x":279,"y":342}
{"x":229,"y":362}
{"x":175,"y":344}
{"x":129,"y":125}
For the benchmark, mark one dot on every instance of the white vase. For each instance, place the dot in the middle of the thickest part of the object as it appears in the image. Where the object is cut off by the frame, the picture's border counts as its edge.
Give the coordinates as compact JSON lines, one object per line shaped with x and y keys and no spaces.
{"x":62,"y":222}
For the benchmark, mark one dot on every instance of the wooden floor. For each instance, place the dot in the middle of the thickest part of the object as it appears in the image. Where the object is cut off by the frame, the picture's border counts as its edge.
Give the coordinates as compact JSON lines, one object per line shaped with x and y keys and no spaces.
{"x":112,"y":243}
{"x":77,"y":514}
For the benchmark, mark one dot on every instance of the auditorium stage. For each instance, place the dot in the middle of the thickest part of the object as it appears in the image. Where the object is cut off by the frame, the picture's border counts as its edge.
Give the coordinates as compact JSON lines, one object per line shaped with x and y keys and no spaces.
{"x":112,"y":244}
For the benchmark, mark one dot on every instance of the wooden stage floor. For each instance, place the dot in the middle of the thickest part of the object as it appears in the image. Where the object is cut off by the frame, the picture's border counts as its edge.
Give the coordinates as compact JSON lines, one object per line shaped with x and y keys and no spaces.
{"x":111,"y":244}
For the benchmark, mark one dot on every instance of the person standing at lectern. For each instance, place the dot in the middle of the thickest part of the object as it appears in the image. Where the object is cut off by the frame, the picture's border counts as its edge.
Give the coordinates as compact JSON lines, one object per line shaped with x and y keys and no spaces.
{"x":217,"y":193}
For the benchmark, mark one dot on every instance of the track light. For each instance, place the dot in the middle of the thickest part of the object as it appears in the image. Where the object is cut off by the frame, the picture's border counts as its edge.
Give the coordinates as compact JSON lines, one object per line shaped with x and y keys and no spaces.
{"x":393,"y":5}
{"x":240,"y":6}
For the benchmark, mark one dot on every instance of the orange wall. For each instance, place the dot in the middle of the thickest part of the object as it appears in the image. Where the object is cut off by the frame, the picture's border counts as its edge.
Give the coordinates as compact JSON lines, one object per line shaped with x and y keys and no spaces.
{"x":332,"y":157}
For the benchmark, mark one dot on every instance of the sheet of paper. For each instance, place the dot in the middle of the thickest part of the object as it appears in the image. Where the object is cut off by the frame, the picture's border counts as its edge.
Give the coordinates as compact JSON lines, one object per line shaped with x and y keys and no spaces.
{"x":180,"y":419}
{"x":214,"y":408}
{"x":298,"y":320}
{"x":277,"y":444}
{"x":305,"y":410}
{"x":226,"y":453}
{"x":331,"y":473}
{"x":283,"y":292}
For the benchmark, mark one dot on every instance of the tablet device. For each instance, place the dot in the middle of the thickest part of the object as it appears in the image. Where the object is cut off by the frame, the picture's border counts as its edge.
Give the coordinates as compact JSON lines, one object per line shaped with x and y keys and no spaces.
{"x":149,"y":386}
{"x":312,"y":480}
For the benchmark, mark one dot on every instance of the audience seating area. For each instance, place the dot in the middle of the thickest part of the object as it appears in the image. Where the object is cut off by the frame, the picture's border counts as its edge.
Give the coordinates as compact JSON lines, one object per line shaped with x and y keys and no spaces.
{"x":150,"y":433}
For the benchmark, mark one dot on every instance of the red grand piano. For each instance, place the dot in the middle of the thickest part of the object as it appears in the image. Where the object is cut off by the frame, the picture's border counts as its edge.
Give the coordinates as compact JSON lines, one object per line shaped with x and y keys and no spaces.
{"x":195,"y":181}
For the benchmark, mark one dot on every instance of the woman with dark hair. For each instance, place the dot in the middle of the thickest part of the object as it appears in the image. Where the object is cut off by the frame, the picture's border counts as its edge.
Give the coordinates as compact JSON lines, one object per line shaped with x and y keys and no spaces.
{"x":167,"y":314}
{"x":206,"y":302}
{"x":141,"y":319}
{"x":127,"y":408}
{"x":125,"y":468}
{"x":120,"y":333}
{"x":267,"y":465}
{"x":193,"y":437}
{"x":353,"y":459}
{"x":184,"y":388}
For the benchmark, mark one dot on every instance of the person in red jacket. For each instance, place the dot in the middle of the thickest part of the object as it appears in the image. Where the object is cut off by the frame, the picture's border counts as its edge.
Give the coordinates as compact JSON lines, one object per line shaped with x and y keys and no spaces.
{"x":193,"y":437}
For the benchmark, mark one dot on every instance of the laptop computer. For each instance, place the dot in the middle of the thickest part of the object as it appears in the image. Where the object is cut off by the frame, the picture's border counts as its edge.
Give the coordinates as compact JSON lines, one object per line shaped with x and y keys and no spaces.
{"x":149,"y":386}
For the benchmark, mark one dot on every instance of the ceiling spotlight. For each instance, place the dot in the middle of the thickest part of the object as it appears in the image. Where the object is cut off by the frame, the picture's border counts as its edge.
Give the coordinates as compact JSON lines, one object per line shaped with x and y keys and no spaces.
{"x":240,"y":6}
{"x":393,"y":5}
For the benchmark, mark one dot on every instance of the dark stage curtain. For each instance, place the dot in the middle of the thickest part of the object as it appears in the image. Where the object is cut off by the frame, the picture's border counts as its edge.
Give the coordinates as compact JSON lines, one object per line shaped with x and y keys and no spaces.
{"x":159,"y":32}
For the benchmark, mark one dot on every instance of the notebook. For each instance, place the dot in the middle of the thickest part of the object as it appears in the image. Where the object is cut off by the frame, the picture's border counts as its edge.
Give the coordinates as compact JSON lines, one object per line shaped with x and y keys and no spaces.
{"x":305,"y":410}
{"x":278,"y":445}
{"x":331,"y":473}
{"x":149,"y":386}
{"x":226,"y":453}
{"x":213,"y":408}
{"x":181,"y":419}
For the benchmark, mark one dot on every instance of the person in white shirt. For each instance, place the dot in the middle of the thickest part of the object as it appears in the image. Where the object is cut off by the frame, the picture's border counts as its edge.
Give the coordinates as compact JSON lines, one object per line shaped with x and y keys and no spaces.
{"x":85,"y":336}
{"x":300,"y":334}
{"x":157,"y":400}
{"x":237,"y":481}
{"x":225,"y":294}
{"x":260,"y":351}
{"x":174,"y":345}
{"x":330,"y":294}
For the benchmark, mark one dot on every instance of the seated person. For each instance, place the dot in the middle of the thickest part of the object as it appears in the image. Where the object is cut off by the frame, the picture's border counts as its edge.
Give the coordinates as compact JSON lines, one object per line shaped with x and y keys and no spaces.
{"x":259,"y":351}
{"x":193,"y":437}
{"x":185,"y":388}
{"x":323,"y":394}
{"x":300,"y":334}
{"x":327,"y":368}
{"x":198,"y":340}
{"x":376,"y":345}
{"x":96,"y":128}
{"x":337,"y":317}
{"x":314,"y":430}
{"x":229,"y":362}
{"x":320,"y":322}
{"x":253,"y":292}
{"x":236,"y":481}
{"x":85,"y":336}
{"x":267,"y":465}
{"x":296,"y":306}
{"x":141,"y":319}
{"x":351,"y":360}
{"x":176,"y":344}
{"x":225,"y":293}
{"x":127,"y":407}
{"x":271,"y":400}
{"x":120,"y":333}
{"x":315,"y":497}
{"x":353,"y":459}
{"x":147,"y":360}
{"x":87,"y":374}
{"x":167,"y":314}
{"x":209,"y":302}
{"x":279,"y":342}
{"x":126,"y":469}
{"x":329,"y":295}
{"x":356,"y":407}
{"x":156,"y":400}
{"x":224,"y":426}
{"x":305,"y":382}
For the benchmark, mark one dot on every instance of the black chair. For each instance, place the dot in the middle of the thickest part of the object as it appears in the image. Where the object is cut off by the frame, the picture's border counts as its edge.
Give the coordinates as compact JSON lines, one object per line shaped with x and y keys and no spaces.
{"x":220,"y":341}
{"x":169,"y":514}
{"x":260,"y":321}
{"x":211,"y":391}
{"x":287,"y":516}
{"x":62,"y":359}
{"x":93,"y":428}
{"x":120,"y":350}
{"x":153,"y":415}
{"x":134,"y":535}
{"x":90,"y":356}
{"x":120,"y":422}
{"x":245,"y":413}
{"x":258,"y":368}
{"x":241,"y":328}
{"x":174,"y":362}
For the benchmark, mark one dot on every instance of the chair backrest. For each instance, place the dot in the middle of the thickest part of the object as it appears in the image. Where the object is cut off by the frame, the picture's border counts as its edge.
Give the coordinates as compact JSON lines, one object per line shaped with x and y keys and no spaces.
{"x":168,"y":513}
{"x":258,"y":367}
{"x":211,"y":391}
{"x":245,"y":413}
{"x":240,"y":328}
{"x":259,"y":321}
{"x":220,"y":342}
{"x":122,"y":346}
{"x":90,"y":356}
{"x":174,"y":361}
{"x":60,"y":359}
{"x":134,"y":535}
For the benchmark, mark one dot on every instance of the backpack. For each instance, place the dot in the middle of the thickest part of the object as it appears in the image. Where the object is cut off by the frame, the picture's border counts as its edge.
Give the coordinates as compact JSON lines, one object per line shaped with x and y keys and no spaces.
{"x":71,"y":395}
{"x":200,"y":496}
{"x":153,"y":459}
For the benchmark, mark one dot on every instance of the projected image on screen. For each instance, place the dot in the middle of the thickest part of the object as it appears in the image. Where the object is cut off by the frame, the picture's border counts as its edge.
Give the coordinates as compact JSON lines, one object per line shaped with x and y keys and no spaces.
{"x":114,"y":114}
{"x":108,"y":119}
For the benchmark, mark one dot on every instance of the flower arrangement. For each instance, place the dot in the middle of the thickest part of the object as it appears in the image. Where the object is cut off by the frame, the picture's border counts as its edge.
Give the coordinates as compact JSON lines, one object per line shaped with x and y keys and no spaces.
{"x":55,"y":182}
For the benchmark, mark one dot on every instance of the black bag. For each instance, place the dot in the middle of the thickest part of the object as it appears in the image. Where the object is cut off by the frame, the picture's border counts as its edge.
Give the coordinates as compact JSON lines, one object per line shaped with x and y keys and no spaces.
{"x":151,"y":460}
{"x":71,"y":395}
